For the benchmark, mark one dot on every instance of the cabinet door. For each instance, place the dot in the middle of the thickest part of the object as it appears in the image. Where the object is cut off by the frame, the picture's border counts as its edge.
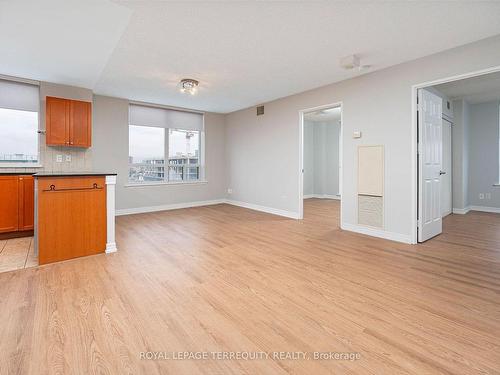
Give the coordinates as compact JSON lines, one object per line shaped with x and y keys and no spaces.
{"x":80,"y":124}
{"x":9,"y":203}
{"x":71,"y":217}
{"x":26,"y":202}
{"x":57,"y":121}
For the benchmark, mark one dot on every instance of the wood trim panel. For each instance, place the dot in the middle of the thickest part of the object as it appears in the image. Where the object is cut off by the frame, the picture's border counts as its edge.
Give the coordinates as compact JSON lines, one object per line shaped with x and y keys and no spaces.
{"x":71,"y":217}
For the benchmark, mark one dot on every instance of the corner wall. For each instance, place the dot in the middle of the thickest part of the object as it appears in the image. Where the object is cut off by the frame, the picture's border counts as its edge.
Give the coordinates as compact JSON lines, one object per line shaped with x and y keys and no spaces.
{"x":460,"y":153}
{"x":321,"y":158}
{"x":110,"y":153}
{"x":377,"y":104}
{"x":483,"y":155}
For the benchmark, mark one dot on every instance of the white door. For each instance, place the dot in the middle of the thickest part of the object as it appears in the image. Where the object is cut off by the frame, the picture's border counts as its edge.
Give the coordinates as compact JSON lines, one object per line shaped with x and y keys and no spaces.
{"x":446,"y":191}
{"x":429,"y":165}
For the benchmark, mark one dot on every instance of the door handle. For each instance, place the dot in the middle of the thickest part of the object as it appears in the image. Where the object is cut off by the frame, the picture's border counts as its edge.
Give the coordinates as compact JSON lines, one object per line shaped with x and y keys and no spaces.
{"x":441,"y":173}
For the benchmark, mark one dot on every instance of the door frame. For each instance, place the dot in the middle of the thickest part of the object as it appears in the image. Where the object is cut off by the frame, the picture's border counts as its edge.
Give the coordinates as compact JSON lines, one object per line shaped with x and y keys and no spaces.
{"x":414,"y":145}
{"x":449,"y":121}
{"x":301,"y":154}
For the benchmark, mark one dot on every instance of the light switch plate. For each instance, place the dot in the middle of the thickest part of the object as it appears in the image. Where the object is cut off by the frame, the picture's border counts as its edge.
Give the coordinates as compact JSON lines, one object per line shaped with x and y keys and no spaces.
{"x":59,"y":158}
{"x":356,"y":134}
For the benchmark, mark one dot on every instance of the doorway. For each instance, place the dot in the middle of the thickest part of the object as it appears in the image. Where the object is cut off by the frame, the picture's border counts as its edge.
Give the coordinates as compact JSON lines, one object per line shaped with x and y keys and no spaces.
{"x":321,"y":159}
{"x":457,"y":144}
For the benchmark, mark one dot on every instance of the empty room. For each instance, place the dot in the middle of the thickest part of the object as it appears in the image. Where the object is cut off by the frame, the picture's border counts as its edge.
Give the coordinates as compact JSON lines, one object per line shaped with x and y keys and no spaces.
{"x":243,"y":187}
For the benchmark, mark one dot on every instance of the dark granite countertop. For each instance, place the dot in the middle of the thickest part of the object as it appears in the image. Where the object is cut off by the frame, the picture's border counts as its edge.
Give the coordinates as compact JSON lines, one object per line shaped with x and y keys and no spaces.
{"x":16,"y":173}
{"x":71,"y":174}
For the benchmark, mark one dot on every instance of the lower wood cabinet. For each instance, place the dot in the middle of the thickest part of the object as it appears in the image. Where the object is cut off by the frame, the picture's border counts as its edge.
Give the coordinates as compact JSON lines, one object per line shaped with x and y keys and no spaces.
{"x":71,"y":218}
{"x":26,"y":203}
{"x":17,"y":203}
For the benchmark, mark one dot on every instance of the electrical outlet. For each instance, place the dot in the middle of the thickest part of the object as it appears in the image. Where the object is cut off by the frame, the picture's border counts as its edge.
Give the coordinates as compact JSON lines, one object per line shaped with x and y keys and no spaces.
{"x":59,"y":158}
{"x":488,"y":195}
{"x":481,"y":196}
{"x":68,"y":158}
{"x":230,"y":191}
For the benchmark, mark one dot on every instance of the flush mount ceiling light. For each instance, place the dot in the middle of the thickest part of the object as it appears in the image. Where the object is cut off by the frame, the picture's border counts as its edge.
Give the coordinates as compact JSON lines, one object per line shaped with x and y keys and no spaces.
{"x":189,"y":86}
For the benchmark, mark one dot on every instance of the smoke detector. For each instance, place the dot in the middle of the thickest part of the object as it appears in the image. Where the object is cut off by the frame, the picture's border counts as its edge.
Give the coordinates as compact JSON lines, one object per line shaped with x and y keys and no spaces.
{"x":349,"y":62}
{"x":352,"y":62}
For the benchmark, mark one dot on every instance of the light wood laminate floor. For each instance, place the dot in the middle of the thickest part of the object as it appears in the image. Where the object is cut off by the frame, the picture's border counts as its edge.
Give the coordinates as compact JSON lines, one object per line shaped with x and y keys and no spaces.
{"x":223,"y":278}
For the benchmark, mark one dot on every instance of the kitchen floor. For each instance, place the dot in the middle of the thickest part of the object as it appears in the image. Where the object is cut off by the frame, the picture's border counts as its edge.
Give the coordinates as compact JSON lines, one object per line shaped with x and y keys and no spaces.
{"x":17,"y":253}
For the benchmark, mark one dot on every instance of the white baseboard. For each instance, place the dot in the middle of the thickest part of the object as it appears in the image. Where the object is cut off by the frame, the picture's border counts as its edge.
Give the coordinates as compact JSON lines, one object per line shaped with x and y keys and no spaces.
{"x":494,"y":210}
{"x":461,"y":211}
{"x":322,"y":196}
{"x":269,"y":210}
{"x":111,"y":248}
{"x":166,"y":207}
{"x":374,"y":232}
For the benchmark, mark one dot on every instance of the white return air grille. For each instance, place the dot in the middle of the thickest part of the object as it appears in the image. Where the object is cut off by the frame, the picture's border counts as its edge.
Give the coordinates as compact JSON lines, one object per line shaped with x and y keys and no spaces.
{"x":371,"y":186}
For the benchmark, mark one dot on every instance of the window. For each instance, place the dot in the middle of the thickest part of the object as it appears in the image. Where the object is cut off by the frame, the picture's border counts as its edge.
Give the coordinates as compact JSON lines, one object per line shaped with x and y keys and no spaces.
{"x":164,"y":145}
{"x":19,"y":103}
{"x":183,"y":155}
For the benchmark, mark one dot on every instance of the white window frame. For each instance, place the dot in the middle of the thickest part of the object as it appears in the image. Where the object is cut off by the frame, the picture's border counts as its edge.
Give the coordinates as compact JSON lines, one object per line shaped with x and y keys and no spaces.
{"x":201,"y":164}
{"x":39,"y":163}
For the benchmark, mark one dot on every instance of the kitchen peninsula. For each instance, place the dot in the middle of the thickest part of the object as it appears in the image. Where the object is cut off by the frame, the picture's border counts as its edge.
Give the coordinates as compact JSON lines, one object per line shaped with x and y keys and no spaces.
{"x":74,"y":215}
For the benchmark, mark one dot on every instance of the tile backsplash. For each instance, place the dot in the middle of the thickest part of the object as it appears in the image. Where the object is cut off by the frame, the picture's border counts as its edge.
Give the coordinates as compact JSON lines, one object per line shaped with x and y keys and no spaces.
{"x":81,"y":160}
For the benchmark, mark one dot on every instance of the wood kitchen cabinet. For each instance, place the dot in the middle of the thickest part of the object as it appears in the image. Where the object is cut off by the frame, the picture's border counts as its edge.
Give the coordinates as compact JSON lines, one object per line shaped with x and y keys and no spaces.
{"x":71,"y":218}
{"x":17,"y":203}
{"x":68,"y":122}
{"x":26,"y":191}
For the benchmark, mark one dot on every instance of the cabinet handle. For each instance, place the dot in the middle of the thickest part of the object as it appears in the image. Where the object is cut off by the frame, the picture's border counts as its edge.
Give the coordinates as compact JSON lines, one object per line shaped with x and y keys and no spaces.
{"x":54,"y":189}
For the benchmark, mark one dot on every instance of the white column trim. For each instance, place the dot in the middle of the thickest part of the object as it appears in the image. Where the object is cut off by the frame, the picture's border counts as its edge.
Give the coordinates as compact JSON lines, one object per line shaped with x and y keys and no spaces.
{"x":110,"y":214}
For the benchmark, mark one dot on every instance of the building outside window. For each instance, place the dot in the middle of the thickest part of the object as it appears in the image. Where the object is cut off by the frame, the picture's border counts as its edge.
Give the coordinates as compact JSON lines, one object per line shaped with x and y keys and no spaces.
{"x":19,"y":124}
{"x":164,"y":145}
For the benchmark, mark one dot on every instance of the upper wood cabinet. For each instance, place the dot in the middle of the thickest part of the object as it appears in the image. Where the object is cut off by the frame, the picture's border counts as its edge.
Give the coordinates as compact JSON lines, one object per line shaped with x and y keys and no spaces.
{"x":68,"y":122}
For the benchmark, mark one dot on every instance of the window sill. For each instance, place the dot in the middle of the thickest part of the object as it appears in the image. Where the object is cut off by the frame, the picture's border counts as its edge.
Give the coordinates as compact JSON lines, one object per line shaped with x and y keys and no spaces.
{"x":198,"y":182}
{"x":20,"y":165}
{"x":496,"y":184}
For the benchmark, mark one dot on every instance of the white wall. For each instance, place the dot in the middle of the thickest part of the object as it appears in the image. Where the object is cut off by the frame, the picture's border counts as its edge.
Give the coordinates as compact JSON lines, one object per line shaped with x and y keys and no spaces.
{"x":308,"y":158}
{"x":110,"y":153}
{"x":483,"y":154}
{"x":378,"y":104}
{"x":321,"y":158}
{"x":460,"y":150}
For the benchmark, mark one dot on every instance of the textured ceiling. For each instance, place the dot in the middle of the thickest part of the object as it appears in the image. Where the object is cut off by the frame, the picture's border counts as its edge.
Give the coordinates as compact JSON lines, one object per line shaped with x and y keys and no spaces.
{"x":243,"y":53}
{"x":474,"y":90}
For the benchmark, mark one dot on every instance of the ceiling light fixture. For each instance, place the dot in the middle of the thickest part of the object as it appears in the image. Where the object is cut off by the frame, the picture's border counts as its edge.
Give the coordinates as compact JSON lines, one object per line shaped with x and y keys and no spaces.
{"x":189,"y":86}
